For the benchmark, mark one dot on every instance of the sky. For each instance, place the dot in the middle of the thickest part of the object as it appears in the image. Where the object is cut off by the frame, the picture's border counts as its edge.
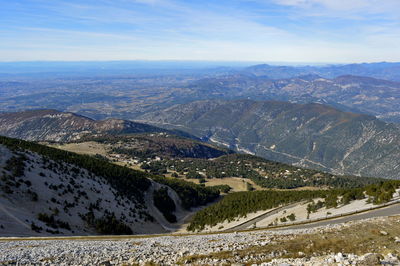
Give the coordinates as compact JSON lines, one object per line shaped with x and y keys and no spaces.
{"x":318,"y":31}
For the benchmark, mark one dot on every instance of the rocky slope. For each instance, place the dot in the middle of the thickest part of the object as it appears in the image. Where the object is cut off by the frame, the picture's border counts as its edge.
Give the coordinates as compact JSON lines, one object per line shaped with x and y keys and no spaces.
{"x":309,"y":135}
{"x":44,"y":191}
{"x":52,"y":125}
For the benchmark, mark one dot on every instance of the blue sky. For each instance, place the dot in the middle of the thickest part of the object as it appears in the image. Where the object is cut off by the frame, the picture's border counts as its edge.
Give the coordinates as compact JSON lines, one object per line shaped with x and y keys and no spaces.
{"x":220,"y":30}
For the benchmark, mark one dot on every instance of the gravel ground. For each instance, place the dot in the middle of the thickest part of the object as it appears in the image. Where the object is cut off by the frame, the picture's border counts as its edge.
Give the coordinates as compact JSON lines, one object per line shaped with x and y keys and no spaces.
{"x":167,"y":250}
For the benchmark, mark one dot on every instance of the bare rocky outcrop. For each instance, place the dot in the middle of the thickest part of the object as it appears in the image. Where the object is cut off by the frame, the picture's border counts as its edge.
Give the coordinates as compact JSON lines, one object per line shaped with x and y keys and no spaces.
{"x":52,"y":125}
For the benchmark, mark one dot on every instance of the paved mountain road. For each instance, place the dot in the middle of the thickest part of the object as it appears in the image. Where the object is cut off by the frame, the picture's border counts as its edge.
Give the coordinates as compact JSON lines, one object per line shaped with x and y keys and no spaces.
{"x":247,"y":224}
{"x":386,"y":211}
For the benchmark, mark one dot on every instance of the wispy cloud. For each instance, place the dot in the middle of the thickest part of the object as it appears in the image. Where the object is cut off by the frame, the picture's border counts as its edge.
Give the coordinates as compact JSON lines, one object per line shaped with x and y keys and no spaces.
{"x":372,"y":6}
{"x":269,"y":30}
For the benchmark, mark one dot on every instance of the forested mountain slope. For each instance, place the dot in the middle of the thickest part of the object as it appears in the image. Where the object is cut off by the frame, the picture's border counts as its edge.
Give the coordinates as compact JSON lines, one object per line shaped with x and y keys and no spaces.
{"x":45,"y":191}
{"x":152,"y":145}
{"x":309,"y":135}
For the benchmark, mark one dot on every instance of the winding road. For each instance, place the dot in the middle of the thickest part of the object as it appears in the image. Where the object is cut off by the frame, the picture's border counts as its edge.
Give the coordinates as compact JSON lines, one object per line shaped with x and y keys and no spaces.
{"x":247,"y":224}
{"x":385,"y":211}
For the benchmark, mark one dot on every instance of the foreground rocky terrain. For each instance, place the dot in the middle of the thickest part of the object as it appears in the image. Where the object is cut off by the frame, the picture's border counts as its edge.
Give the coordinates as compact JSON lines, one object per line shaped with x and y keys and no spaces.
{"x":369,"y":242}
{"x":48,"y":198}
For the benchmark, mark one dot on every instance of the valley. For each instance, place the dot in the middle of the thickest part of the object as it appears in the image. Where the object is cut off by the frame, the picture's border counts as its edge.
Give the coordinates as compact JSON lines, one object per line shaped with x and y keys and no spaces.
{"x":245,"y":172}
{"x":306,"y":135}
{"x":185,"y":165}
{"x":224,"y":173}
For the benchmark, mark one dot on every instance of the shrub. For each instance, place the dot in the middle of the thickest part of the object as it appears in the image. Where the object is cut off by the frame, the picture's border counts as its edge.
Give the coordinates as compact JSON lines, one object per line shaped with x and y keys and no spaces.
{"x":191,"y":195}
{"x":108,"y":224}
{"x":36,"y":228}
{"x":313,"y":207}
{"x":292,"y":217}
{"x":16,"y":165}
{"x":50,"y":221}
{"x":165,"y":204}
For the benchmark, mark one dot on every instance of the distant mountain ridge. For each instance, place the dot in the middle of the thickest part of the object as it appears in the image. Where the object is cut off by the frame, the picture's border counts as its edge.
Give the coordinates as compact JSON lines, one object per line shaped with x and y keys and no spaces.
{"x":364,"y":88}
{"x":309,"y":135}
{"x":53,"y":125}
{"x":380,"y":70}
{"x":348,"y":92}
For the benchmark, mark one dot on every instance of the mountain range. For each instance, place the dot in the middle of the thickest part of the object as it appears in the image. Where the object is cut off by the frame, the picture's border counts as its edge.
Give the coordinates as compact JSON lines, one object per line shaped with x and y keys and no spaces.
{"x":380,"y":70}
{"x":348,"y":93}
{"x":308,"y":135}
{"x":363,"y":88}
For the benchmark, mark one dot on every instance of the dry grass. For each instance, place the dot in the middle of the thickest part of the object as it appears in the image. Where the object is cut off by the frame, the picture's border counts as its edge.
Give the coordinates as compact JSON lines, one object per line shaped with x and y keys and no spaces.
{"x":236,"y":183}
{"x":93,"y":148}
{"x":137,"y":264}
{"x":8,"y":262}
{"x":358,"y":239}
{"x":136,"y":243}
{"x":302,"y":188}
{"x":47,"y":259}
{"x":90,"y":148}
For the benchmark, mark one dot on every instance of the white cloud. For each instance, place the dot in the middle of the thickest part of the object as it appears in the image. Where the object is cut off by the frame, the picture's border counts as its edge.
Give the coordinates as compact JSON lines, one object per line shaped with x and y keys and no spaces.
{"x":332,"y":4}
{"x":368,"y":6}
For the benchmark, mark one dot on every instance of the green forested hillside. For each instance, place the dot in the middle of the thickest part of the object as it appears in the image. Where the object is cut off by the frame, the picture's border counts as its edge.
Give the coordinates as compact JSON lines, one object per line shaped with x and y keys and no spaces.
{"x":129,"y":182}
{"x":309,"y":135}
{"x":263,"y":172}
{"x":151,"y":145}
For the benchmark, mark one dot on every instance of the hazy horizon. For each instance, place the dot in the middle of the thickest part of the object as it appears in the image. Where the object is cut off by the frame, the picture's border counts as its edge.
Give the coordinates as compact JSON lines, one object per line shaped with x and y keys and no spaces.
{"x":240,"y":62}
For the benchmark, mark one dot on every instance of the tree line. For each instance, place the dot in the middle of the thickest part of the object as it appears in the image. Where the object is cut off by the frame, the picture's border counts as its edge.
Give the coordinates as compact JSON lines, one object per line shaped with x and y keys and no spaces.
{"x":239,"y":204}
